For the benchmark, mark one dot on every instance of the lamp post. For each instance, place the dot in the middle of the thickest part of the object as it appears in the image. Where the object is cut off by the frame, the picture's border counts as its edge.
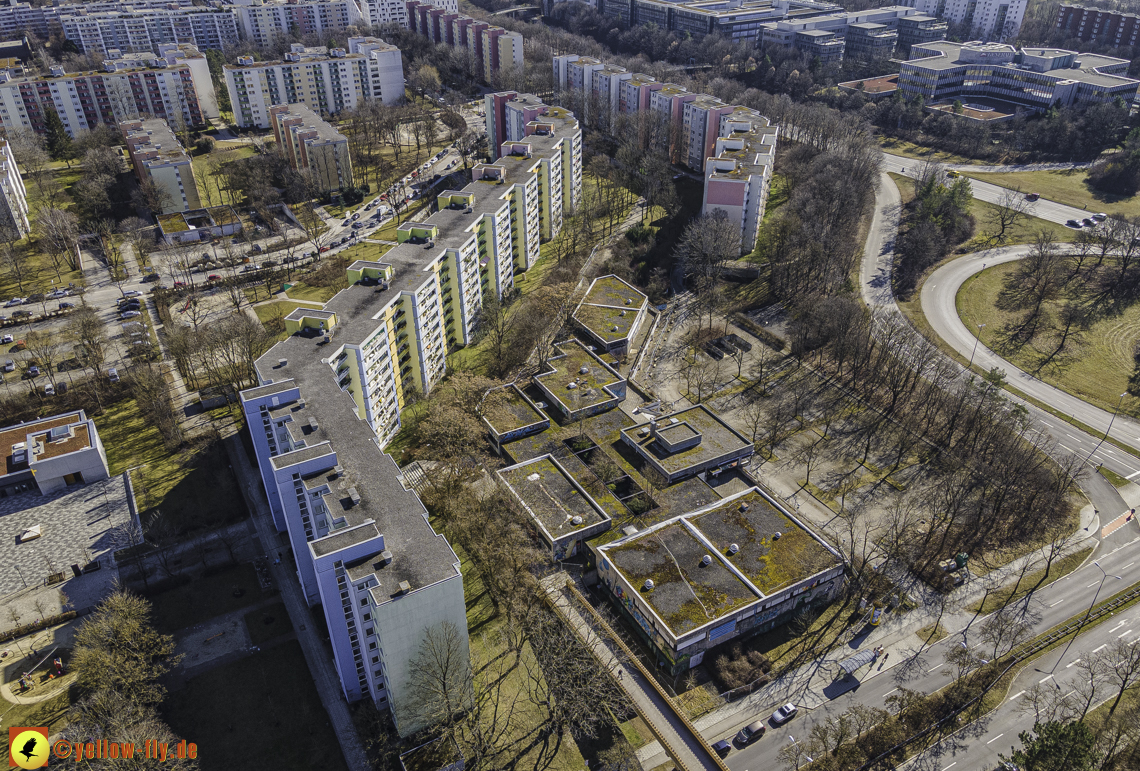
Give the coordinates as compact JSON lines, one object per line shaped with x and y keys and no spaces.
{"x":976,"y":341}
{"x":1110,"y":420}
{"x":1088,"y":613}
{"x":797,"y":745}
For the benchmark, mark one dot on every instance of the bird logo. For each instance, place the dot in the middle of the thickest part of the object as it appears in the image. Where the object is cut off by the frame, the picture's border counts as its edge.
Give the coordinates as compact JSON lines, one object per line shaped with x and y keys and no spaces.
{"x":28,"y":748}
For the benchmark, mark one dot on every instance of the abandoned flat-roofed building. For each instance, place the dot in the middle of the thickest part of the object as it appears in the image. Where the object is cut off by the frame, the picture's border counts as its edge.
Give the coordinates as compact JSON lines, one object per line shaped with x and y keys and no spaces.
{"x":578,"y":383}
{"x":509,"y":414}
{"x":687,"y":443}
{"x":732,"y":569}
{"x":561,"y":509}
{"x":611,"y":313}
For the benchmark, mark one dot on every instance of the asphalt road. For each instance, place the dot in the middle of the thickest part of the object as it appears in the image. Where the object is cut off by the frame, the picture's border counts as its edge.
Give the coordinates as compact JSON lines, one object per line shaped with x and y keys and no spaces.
{"x":1056,"y":602}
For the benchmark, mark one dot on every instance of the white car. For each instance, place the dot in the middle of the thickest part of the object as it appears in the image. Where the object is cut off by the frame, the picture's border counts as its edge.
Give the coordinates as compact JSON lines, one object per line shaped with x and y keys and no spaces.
{"x":58,"y":293}
{"x":129,"y":315}
{"x":132,"y":293}
{"x":49,"y":390}
{"x":7,"y":339}
{"x":784,"y":714}
{"x":14,"y":302}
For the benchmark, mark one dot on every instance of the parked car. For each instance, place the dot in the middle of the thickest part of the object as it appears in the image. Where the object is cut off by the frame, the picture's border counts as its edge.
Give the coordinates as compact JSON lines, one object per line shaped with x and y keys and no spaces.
{"x":258,"y":248}
{"x":213,"y":277}
{"x":149,"y":278}
{"x":34,"y":371}
{"x":1100,"y":217}
{"x":722,"y":747}
{"x":784,"y":713}
{"x":113,"y":375}
{"x":1073,"y":224}
{"x":751,"y":732}
{"x":343,"y":240}
{"x":66,"y":306}
{"x":14,"y":302}
{"x":9,"y":366}
{"x":6,"y":339}
{"x":34,"y":298}
{"x":130,"y":305}
{"x":49,"y":390}
{"x":22,"y":314}
{"x":1088,"y":223}
{"x":356,"y":216}
{"x":129,"y":315}
{"x":1032,"y":196}
{"x":179,"y":283}
{"x":58,"y":293}
{"x":323,"y":249}
{"x":357,"y":225}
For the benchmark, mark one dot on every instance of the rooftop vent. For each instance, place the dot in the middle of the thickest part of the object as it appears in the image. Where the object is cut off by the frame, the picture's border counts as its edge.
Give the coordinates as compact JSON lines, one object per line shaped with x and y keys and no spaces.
{"x":572,"y":386}
{"x":576,"y":520}
{"x":282,"y":362}
{"x":649,"y":584}
{"x":614,"y":328}
{"x":776,"y":536}
{"x":733,"y":549}
{"x":338,"y":470}
{"x":313,"y":425}
{"x":706,"y":561}
{"x":628,"y":301}
{"x":405,"y":587}
{"x":60,"y":432}
{"x":643,"y":432}
{"x":354,"y":496}
{"x":301,"y":403}
{"x":622,"y":313}
{"x":744,"y":506}
{"x":533,"y":477}
{"x":31,"y":534}
{"x":584,"y":371}
{"x":629,"y":530}
{"x":385,"y":558}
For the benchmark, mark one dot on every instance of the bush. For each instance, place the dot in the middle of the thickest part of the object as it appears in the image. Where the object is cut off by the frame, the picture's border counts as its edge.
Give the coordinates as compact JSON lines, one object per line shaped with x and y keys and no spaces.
{"x":740,"y":667}
{"x":204,"y":145}
{"x":35,"y":626}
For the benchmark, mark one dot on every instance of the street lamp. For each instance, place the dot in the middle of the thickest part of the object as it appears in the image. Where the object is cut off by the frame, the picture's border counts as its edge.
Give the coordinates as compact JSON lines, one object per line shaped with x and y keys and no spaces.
{"x":976,"y":341}
{"x":1114,"y":414}
{"x":797,"y":745}
{"x":1081,"y":625}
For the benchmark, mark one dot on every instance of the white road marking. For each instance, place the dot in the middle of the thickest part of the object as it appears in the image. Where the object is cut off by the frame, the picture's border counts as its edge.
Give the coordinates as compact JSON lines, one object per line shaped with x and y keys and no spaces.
{"x":1101,"y":648}
{"x":951,"y":765}
{"x":1058,"y":602}
{"x":1074,"y":661}
{"x":1063,"y":447}
{"x":1130,"y":564}
{"x":1014,"y":696}
{"x":1123,"y":634}
{"x":888,"y":693}
{"x":932,"y":669}
{"x":1094,"y":583}
{"x":1134,"y":474}
{"x":991,"y":741}
{"x":1047,"y":677}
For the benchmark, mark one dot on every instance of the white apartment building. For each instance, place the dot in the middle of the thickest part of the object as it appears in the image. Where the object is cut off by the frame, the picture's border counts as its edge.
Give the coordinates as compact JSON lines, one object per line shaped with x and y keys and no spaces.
{"x":312,"y":144}
{"x":739,"y":175}
{"x":264,"y":22}
{"x":13,"y":195}
{"x":157,"y":156}
{"x":16,"y":19}
{"x":379,"y":13}
{"x":137,"y":31}
{"x":986,"y":20}
{"x":174,"y":85}
{"x":327,"y":81}
{"x":364,"y":549}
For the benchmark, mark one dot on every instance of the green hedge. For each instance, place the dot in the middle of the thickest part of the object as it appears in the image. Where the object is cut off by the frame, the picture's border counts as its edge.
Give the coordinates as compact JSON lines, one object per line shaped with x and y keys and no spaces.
{"x":36,"y":626}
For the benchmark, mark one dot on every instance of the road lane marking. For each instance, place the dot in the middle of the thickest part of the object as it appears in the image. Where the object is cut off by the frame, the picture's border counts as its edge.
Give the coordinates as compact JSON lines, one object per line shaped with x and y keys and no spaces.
{"x":933,"y":668}
{"x":888,"y":693}
{"x":1058,"y":602}
{"x":1014,"y":696}
{"x":1134,"y":474}
{"x":1074,"y":661}
{"x":1094,"y":583}
{"x":1123,"y":634}
{"x":991,"y":741}
{"x":1047,"y":677}
{"x":1100,"y":648}
{"x":1130,"y":564}
{"x":950,"y":766}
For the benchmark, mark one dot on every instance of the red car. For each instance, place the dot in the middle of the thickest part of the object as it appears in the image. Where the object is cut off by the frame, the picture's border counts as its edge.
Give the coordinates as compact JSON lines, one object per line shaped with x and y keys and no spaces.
{"x":180,"y":283}
{"x":213,"y":277}
{"x":323,"y":249}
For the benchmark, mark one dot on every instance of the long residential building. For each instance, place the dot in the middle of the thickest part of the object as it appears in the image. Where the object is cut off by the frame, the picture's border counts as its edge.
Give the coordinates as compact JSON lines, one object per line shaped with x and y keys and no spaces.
{"x":1094,"y":24}
{"x":988,"y":20}
{"x":18,"y":19}
{"x":736,"y":20}
{"x":490,"y":48}
{"x":140,"y":30}
{"x":312,"y":145}
{"x":732,"y":145}
{"x":264,"y":23}
{"x":13,"y":194}
{"x":327,"y":81}
{"x":174,"y":85}
{"x":158,"y":157}
{"x":1037,"y":78}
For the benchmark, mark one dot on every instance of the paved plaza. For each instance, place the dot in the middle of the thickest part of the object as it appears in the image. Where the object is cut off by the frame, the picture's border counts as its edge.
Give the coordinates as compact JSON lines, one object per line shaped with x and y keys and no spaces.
{"x":78,"y":527}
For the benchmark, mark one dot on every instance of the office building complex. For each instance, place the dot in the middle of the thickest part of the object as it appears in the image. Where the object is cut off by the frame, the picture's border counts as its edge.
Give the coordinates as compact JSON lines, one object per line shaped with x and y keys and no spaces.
{"x":870,"y":35}
{"x":737,"y":20}
{"x":1037,"y":78}
{"x":141,"y":30}
{"x":987,"y":20}
{"x":174,"y":85}
{"x":312,"y":145}
{"x":490,"y":48}
{"x":327,"y":81}
{"x":158,"y":157}
{"x":265,"y":22}
{"x":1092,"y":24}
{"x":701,"y":129}
{"x":918,"y":29}
{"x":360,"y":537}
{"x":13,"y":195}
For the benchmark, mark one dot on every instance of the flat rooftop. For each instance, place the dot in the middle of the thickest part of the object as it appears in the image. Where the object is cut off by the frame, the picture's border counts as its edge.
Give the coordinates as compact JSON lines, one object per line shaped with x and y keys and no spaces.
{"x":37,"y":430}
{"x":508,"y":409}
{"x":717,"y":439}
{"x":578,"y":366}
{"x":686,"y":594}
{"x":610,"y":307}
{"x":552,"y":497}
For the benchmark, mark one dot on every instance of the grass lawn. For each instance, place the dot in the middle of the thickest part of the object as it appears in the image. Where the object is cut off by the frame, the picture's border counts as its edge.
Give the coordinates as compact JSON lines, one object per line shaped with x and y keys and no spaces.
{"x":309,"y":293}
{"x":223,"y":154}
{"x":51,"y":714}
{"x":1067,"y":186}
{"x":272,"y":315}
{"x":205,"y":597}
{"x":911,"y":150}
{"x":263,"y":709}
{"x":364,"y":251}
{"x":931,"y":633}
{"x":1096,"y":370}
{"x":1028,"y":583}
{"x":1112,"y":476}
{"x":265,"y":624}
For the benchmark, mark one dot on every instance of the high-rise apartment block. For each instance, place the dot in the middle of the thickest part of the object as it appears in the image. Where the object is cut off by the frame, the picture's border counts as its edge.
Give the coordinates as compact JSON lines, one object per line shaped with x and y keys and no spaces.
{"x":174,"y":85}
{"x":141,"y":30}
{"x":13,"y":195}
{"x":986,"y":20}
{"x":265,"y":22}
{"x":1088,"y":24}
{"x":312,"y":145}
{"x":490,"y":48}
{"x":158,"y":157}
{"x":325,"y":80}
{"x":734,"y":146}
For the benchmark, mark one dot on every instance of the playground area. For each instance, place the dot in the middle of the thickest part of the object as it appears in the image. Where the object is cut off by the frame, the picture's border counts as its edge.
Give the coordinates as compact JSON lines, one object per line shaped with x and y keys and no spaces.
{"x":36,"y":668}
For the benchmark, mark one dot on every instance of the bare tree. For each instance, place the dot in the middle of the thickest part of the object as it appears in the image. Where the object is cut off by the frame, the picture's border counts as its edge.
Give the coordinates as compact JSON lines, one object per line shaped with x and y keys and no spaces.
{"x":1010,"y":209}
